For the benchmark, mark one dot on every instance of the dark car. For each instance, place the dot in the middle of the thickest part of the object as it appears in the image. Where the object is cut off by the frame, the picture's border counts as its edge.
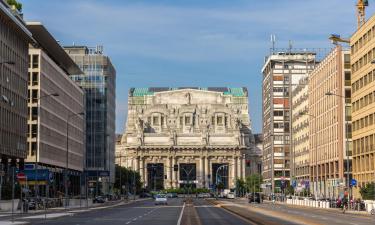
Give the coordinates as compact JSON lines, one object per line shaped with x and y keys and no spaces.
{"x":99,"y":199}
{"x":255,"y":197}
{"x":145,"y":195}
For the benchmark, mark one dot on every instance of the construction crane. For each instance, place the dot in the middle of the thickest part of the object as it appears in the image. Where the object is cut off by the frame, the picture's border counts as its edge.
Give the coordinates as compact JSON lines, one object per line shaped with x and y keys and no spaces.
{"x":335,"y":38}
{"x":361,"y":12}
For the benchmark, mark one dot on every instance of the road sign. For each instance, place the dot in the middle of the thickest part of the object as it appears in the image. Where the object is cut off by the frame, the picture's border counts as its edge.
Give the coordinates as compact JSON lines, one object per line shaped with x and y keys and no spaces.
{"x":294,"y":183}
{"x":353,"y":182}
{"x":21,"y":176}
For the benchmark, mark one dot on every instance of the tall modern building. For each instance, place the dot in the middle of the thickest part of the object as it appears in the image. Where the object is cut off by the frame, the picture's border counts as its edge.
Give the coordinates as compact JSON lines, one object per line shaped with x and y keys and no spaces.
{"x":330,"y":124}
{"x":55,"y":135}
{"x":300,"y":135}
{"x":281,"y":72}
{"x":196,"y":137}
{"x":99,"y":84}
{"x":15,"y":39}
{"x":362,"y":45}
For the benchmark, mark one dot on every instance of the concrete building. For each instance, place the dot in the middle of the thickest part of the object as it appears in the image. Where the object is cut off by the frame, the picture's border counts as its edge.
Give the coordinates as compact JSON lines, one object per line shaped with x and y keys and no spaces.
{"x":55,"y":137}
{"x":15,"y":39}
{"x":99,"y":84}
{"x":300,"y":135}
{"x":198,"y":137}
{"x":329,"y":124}
{"x":362,"y":45}
{"x":281,"y":71}
{"x":120,"y":157}
{"x":254,"y":158}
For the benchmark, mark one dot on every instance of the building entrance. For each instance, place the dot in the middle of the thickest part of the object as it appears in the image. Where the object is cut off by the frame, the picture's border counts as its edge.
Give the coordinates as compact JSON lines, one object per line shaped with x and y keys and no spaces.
{"x":155,"y":176}
{"x":220,"y":175}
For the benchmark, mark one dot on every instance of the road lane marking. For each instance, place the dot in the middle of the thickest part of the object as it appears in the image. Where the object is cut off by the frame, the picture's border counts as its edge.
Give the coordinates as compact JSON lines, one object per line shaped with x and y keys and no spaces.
{"x":180,"y":217}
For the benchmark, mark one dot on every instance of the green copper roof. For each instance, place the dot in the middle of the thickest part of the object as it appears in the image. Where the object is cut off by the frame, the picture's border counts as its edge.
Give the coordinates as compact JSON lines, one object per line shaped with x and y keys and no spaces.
{"x":140,"y":92}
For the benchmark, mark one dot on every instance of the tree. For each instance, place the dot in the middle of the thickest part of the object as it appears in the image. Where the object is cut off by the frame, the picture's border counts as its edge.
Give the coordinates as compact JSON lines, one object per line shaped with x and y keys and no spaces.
{"x":128,"y":177}
{"x":16,"y":4}
{"x":240,"y":186}
{"x":368,"y":192}
{"x":253,"y":182}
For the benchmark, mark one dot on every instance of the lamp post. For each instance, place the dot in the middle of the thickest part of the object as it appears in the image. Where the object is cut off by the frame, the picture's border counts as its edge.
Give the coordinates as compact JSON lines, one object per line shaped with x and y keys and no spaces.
{"x":36,"y":186}
{"x":1,"y":65}
{"x":67,"y":154}
{"x":346,"y":142}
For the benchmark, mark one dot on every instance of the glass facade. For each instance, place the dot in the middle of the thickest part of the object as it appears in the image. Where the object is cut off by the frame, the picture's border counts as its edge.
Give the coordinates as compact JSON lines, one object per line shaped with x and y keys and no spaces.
{"x":98,"y":82}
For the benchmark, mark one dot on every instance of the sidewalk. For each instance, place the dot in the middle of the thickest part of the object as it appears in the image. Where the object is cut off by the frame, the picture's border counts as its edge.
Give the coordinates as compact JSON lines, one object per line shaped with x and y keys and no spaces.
{"x":338,"y":210}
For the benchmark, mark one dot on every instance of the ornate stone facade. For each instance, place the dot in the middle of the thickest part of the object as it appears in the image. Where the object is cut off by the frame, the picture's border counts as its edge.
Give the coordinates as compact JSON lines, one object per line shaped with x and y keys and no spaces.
{"x":204,"y":131}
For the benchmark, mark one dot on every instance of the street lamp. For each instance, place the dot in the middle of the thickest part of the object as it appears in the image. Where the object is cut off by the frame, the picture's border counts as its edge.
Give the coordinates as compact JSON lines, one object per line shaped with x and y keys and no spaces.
{"x":38,"y":139}
{"x":346,"y":141}
{"x":67,"y":154}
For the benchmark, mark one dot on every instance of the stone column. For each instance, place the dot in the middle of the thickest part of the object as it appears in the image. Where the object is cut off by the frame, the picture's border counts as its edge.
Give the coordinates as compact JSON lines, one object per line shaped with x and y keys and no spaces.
{"x":239,"y":171}
{"x":136,"y":163}
{"x":234,"y":170}
{"x":243,"y":167}
{"x":142,"y":170}
{"x":170,"y":171}
{"x":174,"y":177}
{"x":201,"y":172}
{"x":145,"y":172}
{"x":206,"y":172}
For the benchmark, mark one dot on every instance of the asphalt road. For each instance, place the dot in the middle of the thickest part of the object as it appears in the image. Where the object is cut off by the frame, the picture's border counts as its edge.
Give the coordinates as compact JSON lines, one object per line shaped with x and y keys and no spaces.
{"x":147,"y":213}
{"x":319,"y":216}
{"x":138,"y":213}
{"x":212,"y":215}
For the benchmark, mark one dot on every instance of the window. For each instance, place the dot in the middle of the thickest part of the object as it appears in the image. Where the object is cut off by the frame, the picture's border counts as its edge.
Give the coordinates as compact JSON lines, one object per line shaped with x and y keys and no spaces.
{"x":278,"y":113}
{"x":35,"y":78}
{"x":220,"y":121}
{"x":35,"y":61}
{"x":187,"y":120}
{"x":155,"y":120}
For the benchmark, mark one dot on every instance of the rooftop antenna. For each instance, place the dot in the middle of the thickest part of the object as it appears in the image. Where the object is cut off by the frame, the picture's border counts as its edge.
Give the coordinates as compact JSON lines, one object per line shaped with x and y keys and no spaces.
{"x":273,"y":41}
{"x":290,"y":46}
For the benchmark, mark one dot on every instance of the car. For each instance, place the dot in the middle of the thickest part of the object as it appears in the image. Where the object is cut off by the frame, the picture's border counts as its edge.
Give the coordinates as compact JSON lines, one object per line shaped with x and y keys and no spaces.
{"x":145,"y":195}
{"x":99,"y":199}
{"x":204,"y":195}
{"x":172,"y":195}
{"x":231,"y":195}
{"x":161,"y":199}
{"x":255,"y":197}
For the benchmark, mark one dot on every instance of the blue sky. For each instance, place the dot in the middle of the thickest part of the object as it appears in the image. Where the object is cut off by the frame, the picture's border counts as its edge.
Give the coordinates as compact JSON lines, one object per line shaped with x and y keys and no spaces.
{"x":193,"y":42}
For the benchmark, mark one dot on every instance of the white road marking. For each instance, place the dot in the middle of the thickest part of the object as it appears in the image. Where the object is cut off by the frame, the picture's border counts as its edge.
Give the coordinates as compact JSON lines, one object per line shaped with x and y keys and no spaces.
{"x":128,"y":222}
{"x":180,"y":217}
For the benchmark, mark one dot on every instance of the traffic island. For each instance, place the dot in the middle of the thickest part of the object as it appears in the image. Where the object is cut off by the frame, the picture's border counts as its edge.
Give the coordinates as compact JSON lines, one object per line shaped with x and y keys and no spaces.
{"x":261,"y":216}
{"x":190,"y":215}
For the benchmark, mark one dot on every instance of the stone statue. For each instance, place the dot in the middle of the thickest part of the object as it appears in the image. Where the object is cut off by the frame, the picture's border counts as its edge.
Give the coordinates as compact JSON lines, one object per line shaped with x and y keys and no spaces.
{"x":188,"y":96}
{"x":174,"y":137}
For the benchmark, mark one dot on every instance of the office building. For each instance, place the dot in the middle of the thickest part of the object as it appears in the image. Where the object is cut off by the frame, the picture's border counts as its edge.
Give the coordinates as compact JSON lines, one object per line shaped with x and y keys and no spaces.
{"x":362,"y":45}
{"x":55,"y":136}
{"x":330,"y":125}
{"x":99,"y":84}
{"x":188,"y":137}
{"x":281,"y":71}
{"x":300,"y":135}
{"x":15,"y":39}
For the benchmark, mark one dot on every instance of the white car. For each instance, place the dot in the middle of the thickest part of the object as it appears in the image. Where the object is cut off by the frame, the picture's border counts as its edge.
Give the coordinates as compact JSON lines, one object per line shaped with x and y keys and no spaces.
{"x":161,"y":199}
{"x":231,"y":195}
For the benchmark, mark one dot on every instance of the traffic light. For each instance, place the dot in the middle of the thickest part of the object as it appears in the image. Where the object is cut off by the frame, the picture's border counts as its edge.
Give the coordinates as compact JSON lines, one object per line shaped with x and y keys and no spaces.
{"x":175,"y":168}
